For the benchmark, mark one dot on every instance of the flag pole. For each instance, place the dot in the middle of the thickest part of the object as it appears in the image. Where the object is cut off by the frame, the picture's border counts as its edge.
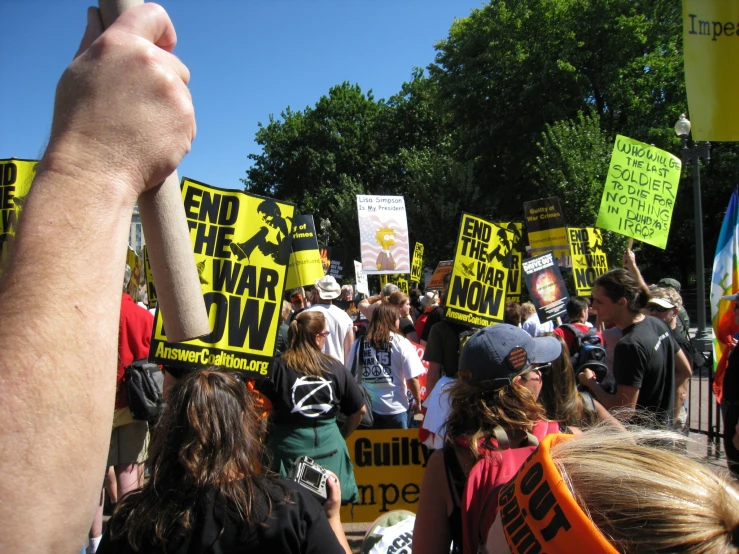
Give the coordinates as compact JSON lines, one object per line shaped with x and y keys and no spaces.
{"x":168,"y":240}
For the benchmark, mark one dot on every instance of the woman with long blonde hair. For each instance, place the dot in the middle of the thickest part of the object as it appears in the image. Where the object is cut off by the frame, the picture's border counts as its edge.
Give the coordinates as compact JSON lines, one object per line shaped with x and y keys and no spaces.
{"x":308,"y":388}
{"x":493,"y":406}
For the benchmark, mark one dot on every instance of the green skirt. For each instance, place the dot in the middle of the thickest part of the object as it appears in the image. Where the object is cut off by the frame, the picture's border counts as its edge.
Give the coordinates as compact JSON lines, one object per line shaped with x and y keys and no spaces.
{"x":321,"y":441}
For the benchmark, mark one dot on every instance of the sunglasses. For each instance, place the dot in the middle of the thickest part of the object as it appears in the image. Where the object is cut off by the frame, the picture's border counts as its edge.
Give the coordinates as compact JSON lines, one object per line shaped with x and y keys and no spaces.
{"x":324,"y":334}
{"x":543,"y":369}
{"x":658,"y":309}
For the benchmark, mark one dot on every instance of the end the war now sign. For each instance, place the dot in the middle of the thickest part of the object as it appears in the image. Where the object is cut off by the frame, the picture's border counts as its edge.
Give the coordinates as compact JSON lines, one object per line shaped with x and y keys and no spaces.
{"x":242,"y":245}
{"x":477,"y":287}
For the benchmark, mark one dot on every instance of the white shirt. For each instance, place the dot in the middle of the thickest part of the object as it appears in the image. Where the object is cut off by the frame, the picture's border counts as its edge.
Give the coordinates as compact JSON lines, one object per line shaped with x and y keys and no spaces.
{"x":384,"y":373}
{"x":338,"y":325}
{"x":535,"y":328}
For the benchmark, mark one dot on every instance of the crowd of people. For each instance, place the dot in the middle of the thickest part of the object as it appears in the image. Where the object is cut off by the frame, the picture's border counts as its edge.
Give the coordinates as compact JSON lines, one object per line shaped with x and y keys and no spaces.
{"x":518,"y":397}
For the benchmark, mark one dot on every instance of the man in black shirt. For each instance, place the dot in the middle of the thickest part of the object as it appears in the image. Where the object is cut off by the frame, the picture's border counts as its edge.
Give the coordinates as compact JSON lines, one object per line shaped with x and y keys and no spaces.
{"x":644,"y":364}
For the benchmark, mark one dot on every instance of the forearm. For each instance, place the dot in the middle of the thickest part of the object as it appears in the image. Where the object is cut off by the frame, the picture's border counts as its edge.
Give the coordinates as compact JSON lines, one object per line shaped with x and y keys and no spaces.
{"x":432,"y":377}
{"x":415,"y":387}
{"x":60,"y":300}
{"x":609,"y":401}
{"x":338,"y":529}
{"x":351,"y":424}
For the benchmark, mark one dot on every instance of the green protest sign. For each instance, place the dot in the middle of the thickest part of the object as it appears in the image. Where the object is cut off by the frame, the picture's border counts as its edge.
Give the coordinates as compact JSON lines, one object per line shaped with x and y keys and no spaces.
{"x":640,"y":192}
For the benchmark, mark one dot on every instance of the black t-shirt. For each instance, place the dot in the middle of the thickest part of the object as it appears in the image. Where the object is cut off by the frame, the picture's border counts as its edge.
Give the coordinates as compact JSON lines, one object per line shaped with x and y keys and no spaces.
{"x":406,"y":326}
{"x":297,"y":398}
{"x":298,"y":526}
{"x":435,"y":316}
{"x":731,"y":381}
{"x":442,"y":346}
{"x":645,"y":358}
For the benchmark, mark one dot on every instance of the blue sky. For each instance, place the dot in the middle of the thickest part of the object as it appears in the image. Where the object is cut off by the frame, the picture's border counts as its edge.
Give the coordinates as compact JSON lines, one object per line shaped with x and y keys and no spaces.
{"x":247,"y":58}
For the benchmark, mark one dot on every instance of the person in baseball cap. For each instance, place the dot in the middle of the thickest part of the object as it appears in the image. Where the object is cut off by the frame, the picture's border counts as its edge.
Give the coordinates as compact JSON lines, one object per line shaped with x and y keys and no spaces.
{"x":495,"y":356}
{"x":493,"y":406}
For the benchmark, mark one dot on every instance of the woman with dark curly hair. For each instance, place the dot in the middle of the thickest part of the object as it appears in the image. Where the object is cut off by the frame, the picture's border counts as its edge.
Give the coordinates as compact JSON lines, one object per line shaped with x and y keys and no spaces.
{"x":208,"y":491}
{"x":493,"y":406}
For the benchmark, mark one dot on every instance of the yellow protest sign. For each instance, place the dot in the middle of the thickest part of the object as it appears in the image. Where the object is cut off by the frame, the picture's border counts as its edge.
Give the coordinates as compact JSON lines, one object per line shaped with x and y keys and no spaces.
{"x":403,"y":284}
{"x":241,"y":244}
{"x":480,"y":273}
{"x":640,"y":192}
{"x":388,"y":467}
{"x":137,"y":273}
{"x":417,"y":264}
{"x":710,"y":51}
{"x":515,"y":282}
{"x":16,"y":177}
{"x":383,"y":279}
{"x":545,"y":224}
{"x":305,"y":266}
{"x":151,"y":290}
{"x":588,"y":257}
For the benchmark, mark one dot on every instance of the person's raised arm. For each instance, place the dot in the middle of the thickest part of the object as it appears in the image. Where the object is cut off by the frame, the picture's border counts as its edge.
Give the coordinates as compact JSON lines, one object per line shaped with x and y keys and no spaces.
{"x":123,"y":120}
{"x":630,"y":264}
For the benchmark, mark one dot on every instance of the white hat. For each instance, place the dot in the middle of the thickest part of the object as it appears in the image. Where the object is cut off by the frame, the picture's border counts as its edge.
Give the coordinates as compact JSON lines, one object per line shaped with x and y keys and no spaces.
{"x":328,"y":288}
{"x":662,"y":302}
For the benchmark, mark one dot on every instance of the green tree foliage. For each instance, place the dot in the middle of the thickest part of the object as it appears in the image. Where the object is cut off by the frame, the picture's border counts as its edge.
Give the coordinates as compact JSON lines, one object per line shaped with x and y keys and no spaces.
{"x":572,"y":164}
{"x":511,"y":68}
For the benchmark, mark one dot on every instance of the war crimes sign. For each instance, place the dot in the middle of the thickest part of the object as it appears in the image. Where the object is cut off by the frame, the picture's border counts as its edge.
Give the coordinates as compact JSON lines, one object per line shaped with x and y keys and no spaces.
{"x":515,"y":281}
{"x":151,"y":291}
{"x":478,"y":284}
{"x":545,"y":225}
{"x":437,"y":279}
{"x":710,"y":50}
{"x":388,"y":468}
{"x":242,"y":248}
{"x":640,"y":192}
{"x":305,"y":261}
{"x":361,"y":278}
{"x":417,"y":265}
{"x":588,"y":257}
{"x":547,"y":289}
{"x":383,"y":234}
{"x":16,"y":177}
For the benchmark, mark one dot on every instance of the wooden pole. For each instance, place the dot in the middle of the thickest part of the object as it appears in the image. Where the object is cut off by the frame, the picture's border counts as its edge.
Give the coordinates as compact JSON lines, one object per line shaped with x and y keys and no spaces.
{"x":168,"y":240}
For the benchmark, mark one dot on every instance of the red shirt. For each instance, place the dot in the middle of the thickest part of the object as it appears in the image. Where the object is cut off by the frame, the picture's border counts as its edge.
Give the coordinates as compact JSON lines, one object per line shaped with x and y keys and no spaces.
{"x":134,"y":337}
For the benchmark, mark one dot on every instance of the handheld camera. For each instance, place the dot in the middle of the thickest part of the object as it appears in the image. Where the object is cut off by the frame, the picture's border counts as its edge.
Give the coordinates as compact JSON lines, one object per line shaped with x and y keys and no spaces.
{"x":310,"y":475}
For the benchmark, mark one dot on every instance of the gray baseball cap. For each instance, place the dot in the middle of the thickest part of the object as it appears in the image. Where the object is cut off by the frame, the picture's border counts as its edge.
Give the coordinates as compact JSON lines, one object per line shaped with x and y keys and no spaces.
{"x":495,"y":355}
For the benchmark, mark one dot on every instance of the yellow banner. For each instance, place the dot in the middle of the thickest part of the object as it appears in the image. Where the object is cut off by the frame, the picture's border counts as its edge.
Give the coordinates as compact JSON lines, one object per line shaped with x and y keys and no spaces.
{"x":16,"y":177}
{"x":480,"y":273}
{"x":306,"y":266}
{"x":588,"y":257}
{"x":417,"y":264}
{"x":242,"y":247}
{"x":388,"y":468}
{"x":151,"y":290}
{"x":640,"y":192}
{"x":710,"y":50}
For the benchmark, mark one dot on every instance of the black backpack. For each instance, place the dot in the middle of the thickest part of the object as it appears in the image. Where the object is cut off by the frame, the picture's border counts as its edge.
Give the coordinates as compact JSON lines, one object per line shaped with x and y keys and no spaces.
{"x":144,"y":382}
{"x":587,"y":351}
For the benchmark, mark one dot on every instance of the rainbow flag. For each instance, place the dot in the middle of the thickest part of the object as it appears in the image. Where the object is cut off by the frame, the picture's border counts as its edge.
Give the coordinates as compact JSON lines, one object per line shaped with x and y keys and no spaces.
{"x":725,"y":281}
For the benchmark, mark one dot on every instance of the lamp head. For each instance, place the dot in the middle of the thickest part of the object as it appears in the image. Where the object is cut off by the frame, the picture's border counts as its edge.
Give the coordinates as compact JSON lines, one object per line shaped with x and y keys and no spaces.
{"x":682,"y":127}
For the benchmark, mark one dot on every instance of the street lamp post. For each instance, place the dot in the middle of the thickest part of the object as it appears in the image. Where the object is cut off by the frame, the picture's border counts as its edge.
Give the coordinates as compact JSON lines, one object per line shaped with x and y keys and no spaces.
{"x":693,"y":154}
